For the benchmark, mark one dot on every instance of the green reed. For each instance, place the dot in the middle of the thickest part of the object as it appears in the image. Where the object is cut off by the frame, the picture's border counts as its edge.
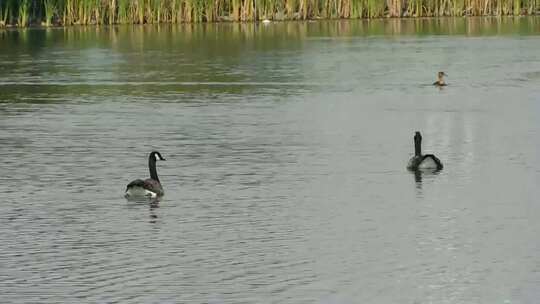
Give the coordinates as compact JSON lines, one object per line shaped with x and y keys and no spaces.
{"x":23,"y":13}
{"x":123,"y":13}
{"x":4,"y":12}
{"x":68,"y":12}
{"x":49,"y":11}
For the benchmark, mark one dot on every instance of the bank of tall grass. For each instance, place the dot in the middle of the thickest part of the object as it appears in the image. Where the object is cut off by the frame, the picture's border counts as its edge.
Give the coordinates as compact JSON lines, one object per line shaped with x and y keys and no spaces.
{"x":69,"y":12}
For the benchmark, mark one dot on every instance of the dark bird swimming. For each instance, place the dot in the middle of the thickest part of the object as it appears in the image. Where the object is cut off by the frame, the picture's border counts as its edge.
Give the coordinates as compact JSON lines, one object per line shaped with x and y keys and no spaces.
{"x":148,"y":188}
{"x":427,"y":162}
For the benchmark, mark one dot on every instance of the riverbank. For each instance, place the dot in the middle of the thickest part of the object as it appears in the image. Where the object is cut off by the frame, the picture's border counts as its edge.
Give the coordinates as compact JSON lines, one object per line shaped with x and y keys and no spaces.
{"x":26,"y":13}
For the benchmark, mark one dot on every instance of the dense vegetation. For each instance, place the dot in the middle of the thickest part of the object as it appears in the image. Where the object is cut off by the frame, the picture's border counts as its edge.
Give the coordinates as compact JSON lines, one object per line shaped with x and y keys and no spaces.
{"x":68,"y":12}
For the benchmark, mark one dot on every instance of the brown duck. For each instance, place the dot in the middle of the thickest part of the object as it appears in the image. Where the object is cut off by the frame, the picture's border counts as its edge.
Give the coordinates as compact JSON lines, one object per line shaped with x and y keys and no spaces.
{"x":440,"y":80}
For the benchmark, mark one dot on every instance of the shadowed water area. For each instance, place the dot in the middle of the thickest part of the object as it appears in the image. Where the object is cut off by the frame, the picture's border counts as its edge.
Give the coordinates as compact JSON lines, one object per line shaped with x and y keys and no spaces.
{"x":285,"y":177}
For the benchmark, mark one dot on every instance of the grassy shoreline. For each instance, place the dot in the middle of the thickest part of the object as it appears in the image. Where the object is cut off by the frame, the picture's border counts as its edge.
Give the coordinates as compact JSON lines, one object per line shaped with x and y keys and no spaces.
{"x":24,"y":13}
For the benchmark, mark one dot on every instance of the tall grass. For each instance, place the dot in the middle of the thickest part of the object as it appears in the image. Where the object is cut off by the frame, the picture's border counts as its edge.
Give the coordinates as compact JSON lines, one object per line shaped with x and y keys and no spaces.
{"x":4,"y":12}
{"x":23,"y":13}
{"x":68,"y":12}
{"x":49,"y":11}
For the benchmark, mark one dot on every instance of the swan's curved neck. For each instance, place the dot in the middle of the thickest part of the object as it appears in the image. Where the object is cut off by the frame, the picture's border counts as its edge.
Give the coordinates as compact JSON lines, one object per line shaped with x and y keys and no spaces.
{"x":152,"y":167}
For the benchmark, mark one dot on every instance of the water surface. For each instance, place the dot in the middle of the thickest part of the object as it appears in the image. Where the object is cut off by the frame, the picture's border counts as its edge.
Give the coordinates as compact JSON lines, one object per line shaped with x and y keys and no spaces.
{"x":285,"y":177}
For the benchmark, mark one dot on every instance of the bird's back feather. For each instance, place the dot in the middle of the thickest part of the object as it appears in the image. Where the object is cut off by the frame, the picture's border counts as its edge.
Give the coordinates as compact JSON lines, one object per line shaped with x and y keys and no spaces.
{"x":148,"y":184}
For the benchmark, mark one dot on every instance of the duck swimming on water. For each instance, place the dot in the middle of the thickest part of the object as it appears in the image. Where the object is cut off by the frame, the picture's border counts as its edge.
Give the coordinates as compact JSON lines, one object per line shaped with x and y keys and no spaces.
{"x":150,"y":187}
{"x":440,"y":80}
{"x":427,"y":162}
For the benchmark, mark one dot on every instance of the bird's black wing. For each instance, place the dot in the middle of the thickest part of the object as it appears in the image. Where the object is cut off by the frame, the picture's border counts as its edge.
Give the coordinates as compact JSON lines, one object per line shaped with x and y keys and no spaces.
{"x":136,"y":183}
{"x":154,"y":186}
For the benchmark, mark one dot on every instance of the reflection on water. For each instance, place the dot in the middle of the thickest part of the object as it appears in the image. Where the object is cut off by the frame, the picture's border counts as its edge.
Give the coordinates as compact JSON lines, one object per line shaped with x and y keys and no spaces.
{"x":286,"y":180}
{"x":420,"y":176}
{"x":151,"y":205}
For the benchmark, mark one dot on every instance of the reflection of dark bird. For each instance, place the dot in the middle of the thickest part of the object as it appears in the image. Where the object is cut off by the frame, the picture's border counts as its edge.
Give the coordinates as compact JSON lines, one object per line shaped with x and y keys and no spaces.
{"x":440,"y":80}
{"x":427,"y":162}
{"x":148,"y":188}
{"x":418,"y":177}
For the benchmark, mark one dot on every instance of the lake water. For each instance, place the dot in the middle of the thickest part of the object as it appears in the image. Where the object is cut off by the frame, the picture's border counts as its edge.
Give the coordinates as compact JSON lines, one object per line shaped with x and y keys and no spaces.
{"x":285,"y":177}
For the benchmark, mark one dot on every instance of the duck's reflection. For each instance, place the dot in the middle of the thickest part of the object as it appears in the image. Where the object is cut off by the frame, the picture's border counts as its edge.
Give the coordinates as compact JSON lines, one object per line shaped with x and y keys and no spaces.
{"x":420,"y":176}
{"x":153,"y":215}
{"x":144,"y":200}
{"x":153,"y":204}
{"x":418,"y":179}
